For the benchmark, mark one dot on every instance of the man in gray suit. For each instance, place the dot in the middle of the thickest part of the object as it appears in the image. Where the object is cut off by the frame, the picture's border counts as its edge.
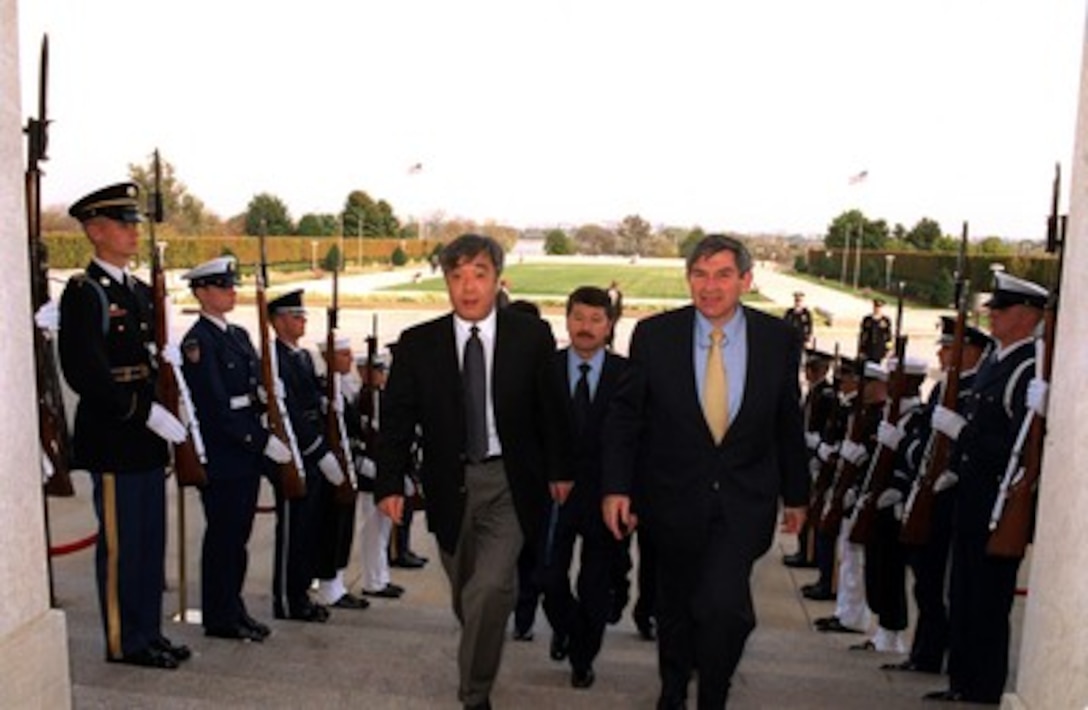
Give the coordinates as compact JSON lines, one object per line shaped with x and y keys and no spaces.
{"x":477,"y":383}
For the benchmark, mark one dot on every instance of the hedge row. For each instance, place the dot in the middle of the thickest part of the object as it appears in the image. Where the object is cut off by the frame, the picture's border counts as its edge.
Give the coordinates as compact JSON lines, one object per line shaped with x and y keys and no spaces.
{"x":71,"y":251}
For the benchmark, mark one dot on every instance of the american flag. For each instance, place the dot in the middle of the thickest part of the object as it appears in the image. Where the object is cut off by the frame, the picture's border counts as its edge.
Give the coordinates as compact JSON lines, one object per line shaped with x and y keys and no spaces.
{"x":859,"y":178}
{"x":415,"y":168}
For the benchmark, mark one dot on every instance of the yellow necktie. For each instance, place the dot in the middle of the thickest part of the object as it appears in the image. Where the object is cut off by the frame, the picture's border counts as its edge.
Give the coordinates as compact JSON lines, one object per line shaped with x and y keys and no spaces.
{"x":716,"y":388}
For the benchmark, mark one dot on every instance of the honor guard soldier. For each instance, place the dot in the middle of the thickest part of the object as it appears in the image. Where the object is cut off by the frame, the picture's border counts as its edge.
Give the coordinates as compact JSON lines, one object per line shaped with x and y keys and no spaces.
{"x":297,"y":519}
{"x":875,"y":338}
{"x":800,"y":317}
{"x":121,"y":432}
{"x":982,"y":586}
{"x":221,"y":367}
{"x":929,"y":561}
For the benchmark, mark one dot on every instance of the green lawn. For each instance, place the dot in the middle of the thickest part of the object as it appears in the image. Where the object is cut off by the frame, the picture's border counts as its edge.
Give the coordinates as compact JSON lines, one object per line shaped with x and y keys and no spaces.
{"x":560,"y":279}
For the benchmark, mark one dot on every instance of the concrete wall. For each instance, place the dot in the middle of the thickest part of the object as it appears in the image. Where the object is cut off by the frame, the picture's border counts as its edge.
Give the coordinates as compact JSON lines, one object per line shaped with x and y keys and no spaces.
{"x":33,"y":642}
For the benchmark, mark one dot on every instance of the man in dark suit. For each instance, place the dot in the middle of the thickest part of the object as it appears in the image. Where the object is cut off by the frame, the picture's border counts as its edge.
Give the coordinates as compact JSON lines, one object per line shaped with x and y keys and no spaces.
{"x":107,"y":333}
{"x":222,"y":370}
{"x":478,"y":383}
{"x":587,"y":375}
{"x":706,"y":436}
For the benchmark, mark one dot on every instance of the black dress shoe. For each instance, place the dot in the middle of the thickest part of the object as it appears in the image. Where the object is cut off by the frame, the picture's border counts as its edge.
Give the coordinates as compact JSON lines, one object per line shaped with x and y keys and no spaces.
{"x":798,"y":560}
{"x":646,"y":630}
{"x":407,"y":562}
{"x":418,"y":558}
{"x":526,"y":635}
{"x":180,"y":652}
{"x":560,"y":646}
{"x":148,"y":658}
{"x":350,"y":601}
{"x":256,"y":626}
{"x":946,"y":696}
{"x":485,"y":705}
{"x":818,"y":594}
{"x":313,"y":613}
{"x":386,"y":592}
{"x":836,"y":626}
{"x":396,"y":588}
{"x":238,"y":632}
{"x":582,"y":679}
{"x":911,"y":666}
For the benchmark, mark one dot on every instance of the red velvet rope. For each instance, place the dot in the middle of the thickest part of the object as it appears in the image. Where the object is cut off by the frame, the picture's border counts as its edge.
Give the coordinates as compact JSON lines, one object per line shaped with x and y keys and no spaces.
{"x":69,"y":548}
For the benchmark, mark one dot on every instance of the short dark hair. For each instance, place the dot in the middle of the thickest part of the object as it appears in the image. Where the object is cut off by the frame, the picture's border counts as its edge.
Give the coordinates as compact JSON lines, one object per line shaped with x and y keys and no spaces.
{"x":467,"y":246}
{"x":711,"y":244}
{"x":590,"y":296}
{"x":522,"y":306}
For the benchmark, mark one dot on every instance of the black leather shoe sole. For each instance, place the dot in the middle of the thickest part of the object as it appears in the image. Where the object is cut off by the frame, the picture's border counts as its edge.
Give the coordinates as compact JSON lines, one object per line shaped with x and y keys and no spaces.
{"x":582,"y":679}
{"x":148,"y":658}
{"x":234,"y":633}
{"x":180,"y":652}
{"x":350,"y":601}
{"x":559,"y":647}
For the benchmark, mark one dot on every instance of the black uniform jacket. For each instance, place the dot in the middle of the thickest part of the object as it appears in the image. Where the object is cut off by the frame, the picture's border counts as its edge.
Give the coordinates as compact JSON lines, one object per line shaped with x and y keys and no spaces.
{"x":424,"y":389}
{"x":106,"y":336}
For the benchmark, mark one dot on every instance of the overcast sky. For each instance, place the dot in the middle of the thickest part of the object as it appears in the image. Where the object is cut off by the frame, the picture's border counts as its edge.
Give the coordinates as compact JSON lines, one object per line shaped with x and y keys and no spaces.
{"x":748,"y":115}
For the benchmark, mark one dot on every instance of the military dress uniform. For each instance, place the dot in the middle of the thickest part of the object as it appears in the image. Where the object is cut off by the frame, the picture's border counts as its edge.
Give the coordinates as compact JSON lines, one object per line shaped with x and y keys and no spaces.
{"x":818,"y":404}
{"x":222,"y":370}
{"x":800,"y":317}
{"x":106,"y":340}
{"x":297,"y":520}
{"x":875,"y":338}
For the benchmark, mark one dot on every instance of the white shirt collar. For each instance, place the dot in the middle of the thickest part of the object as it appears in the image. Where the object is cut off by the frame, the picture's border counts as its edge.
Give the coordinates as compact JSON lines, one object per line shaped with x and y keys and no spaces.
{"x":116,"y":273}
{"x":486,"y":327}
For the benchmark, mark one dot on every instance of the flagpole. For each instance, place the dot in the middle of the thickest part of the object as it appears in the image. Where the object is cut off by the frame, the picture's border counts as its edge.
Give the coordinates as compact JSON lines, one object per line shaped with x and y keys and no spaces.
{"x":845,"y":255}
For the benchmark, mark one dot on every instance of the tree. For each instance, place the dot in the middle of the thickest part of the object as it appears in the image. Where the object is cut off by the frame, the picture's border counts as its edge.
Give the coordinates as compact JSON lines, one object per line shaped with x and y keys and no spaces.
{"x":845,"y":228}
{"x":183,"y":213}
{"x":317,"y":225}
{"x":272,"y":211}
{"x":687,"y":244}
{"x":592,"y":239}
{"x":398,"y":257}
{"x":924,"y":234}
{"x":633,"y":235}
{"x":557,"y":242}
{"x":994,"y":246}
{"x":331,"y":260}
{"x":362,"y":215}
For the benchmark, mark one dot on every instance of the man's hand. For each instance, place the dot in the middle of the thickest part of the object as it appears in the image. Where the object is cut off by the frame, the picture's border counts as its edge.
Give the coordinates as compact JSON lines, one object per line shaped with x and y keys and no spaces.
{"x":165,"y":424}
{"x":560,"y":490}
{"x":825,"y":451}
{"x":946,"y":480}
{"x":392,"y":507}
{"x":947,"y":422}
{"x":889,"y":435}
{"x":853,"y":452}
{"x":889,"y":498}
{"x":618,"y":516}
{"x":48,"y":316}
{"x":330,"y":469}
{"x":793,"y":519}
{"x":276,"y":450}
{"x":1037,"y":396}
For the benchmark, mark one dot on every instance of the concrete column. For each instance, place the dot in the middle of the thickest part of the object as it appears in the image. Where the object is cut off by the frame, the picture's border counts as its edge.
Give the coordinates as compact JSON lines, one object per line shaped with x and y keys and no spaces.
{"x":33,"y":640}
{"x":1054,"y":651}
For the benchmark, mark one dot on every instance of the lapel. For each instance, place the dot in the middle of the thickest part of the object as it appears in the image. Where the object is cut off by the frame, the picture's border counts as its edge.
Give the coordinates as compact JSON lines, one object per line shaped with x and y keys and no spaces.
{"x":679,"y":360}
{"x":445,"y":364}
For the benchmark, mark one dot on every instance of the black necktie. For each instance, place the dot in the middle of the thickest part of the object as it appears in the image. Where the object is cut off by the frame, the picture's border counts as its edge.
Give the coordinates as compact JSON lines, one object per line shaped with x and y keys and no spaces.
{"x":581,"y":400}
{"x":473,"y":375}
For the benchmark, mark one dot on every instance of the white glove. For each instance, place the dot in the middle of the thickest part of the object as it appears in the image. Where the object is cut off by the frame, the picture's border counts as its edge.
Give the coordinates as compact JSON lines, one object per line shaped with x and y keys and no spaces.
{"x":946,"y":480}
{"x":1038,"y":389}
{"x":825,"y":451}
{"x":48,"y":316}
{"x":171,"y":354}
{"x":849,"y":498}
{"x":889,"y":435}
{"x":854,"y":453}
{"x":277,"y":450}
{"x":814,"y":467}
{"x":947,"y":422}
{"x":812,"y":440}
{"x":366,"y":467}
{"x":281,"y":393}
{"x":330,"y":469}
{"x":165,"y":424}
{"x":889,"y":498}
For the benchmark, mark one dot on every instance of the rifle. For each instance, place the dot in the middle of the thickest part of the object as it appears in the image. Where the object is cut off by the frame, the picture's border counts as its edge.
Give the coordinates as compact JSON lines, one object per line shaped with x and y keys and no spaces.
{"x":334,"y":410}
{"x":53,"y":435}
{"x":826,"y":474}
{"x":847,"y":473}
{"x":170,"y":387}
{"x":882,"y":465}
{"x":918,"y":511}
{"x":1013,"y":515}
{"x":291,"y":474}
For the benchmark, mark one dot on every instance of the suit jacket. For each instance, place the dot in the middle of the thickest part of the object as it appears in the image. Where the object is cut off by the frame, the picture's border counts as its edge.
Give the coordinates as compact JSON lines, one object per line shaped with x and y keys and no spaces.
{"x":424,"y":389}
{"x":107,"y":326}
{"x":659,"y":449}
{"x":584,"y":448}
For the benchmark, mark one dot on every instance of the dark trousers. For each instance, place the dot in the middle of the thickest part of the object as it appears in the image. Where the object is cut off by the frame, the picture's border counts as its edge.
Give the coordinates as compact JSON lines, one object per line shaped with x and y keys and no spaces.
{"x":929,"y":563}
{"x":581,"y":618}
{"x":129,"y":557}
{"x":294,"y":559}
{"x":229,"y":507}
{"x":646,"y":580}
{"x":335,"y":531}
{"x":886,"y":572}
{"x":981,"y":595}
{"x":531,"y":577}
{"x":704,"y":615}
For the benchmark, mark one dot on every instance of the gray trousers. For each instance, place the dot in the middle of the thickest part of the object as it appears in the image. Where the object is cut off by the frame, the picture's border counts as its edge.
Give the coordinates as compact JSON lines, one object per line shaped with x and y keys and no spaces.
{"x":483,"y":577}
